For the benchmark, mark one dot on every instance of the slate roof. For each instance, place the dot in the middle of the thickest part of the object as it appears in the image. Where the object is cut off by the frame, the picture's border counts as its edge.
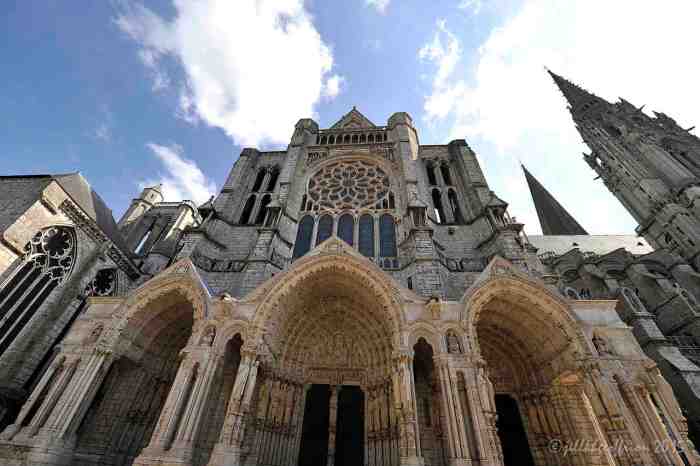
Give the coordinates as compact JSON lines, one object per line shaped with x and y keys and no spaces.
{"x":75,"y":185}
{"x":554,"y":219}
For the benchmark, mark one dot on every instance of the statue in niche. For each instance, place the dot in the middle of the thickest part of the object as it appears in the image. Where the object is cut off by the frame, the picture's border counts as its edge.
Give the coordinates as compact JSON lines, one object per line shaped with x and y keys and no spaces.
{"x":601,"y":345}
{"x":208,"y":336}
{"x":434,"y":307}
{"x":453,"y":344}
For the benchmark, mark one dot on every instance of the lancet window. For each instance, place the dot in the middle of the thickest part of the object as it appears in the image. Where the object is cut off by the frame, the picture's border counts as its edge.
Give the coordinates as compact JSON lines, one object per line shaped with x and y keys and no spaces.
{"x":354,"y":201}
{"x":446,"y":204}
{"x":48,"y":261}
{"x":255,"y":206}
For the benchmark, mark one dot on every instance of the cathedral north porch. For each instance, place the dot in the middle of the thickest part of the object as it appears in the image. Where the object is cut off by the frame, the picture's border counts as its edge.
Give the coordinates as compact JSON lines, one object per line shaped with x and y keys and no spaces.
{"x":333,"y":363}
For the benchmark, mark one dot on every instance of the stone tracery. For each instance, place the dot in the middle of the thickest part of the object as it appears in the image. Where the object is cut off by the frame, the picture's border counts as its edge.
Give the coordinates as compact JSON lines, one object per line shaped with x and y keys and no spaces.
{"x":345,"y":185}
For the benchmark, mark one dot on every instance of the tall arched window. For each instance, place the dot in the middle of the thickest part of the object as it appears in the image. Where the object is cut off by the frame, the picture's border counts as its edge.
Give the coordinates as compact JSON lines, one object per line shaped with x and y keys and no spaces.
{"x":48,"y":261}
{"x":446,"y":177}
{"x":437,"y":204}
{"x":432,"y":181}
{"x":259,"y":180}
{"x":247,"y":210}
{"x":387,"y":236}
{"x":263,"y":209}
{"x":273,"y":179}
{"x":325,"y":229}
{"x":454,"y":205}
{"x":366,"y":240}
{"x":303,"y":202}
{"x":346,"y":228}
{"x":392,"y":202}
{"x":303,"y":241}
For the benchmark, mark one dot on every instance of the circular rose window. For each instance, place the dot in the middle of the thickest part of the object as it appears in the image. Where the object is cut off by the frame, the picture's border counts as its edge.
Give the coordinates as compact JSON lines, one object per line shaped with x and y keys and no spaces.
{"x":348,"y":185}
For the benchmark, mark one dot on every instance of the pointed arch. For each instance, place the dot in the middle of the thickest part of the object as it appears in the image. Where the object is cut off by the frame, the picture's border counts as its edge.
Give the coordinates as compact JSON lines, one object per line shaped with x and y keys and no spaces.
{"x":302,"y":245}
{"x":247,"y":210}
{"x":325,"y":228}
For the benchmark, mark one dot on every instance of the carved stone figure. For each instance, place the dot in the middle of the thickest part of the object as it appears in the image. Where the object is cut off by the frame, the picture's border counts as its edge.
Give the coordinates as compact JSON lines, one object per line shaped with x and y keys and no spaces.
{"x":454,"y":346}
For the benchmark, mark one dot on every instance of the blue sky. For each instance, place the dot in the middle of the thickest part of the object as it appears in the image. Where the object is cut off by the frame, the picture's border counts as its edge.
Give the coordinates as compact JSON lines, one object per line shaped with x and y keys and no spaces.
{"x":131,"y":92}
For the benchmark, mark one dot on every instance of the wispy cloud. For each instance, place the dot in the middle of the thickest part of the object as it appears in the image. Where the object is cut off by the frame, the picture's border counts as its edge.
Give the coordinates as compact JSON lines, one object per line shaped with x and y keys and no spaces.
{"x":472,"y":6}
{"x":254,"y":93}
{"x":379,"y":5}
{"x":103,"y":132}
{"x":182,"y":178}
{"x":509,"y":109}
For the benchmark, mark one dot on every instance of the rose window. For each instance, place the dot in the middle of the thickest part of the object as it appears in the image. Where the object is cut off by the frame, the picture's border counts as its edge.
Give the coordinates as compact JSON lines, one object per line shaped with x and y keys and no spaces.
{"x":349,"y":185}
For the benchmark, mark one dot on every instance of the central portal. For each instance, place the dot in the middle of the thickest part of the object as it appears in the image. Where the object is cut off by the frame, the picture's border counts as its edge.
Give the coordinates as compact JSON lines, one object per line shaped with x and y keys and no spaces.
{"x":346,"y":447}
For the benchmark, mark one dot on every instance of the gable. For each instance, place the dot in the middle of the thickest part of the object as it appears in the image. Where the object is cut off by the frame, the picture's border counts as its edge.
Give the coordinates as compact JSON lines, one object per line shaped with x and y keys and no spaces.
{"x":353,"y":120}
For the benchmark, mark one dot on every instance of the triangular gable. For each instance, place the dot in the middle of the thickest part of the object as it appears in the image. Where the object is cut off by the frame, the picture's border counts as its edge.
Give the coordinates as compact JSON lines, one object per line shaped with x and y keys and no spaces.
{"x":353,"y":120}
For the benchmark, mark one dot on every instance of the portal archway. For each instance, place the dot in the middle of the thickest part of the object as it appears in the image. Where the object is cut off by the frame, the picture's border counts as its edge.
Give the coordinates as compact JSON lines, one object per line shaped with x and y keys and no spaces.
{"x":530,"y":345}
{"x":332,"y":321}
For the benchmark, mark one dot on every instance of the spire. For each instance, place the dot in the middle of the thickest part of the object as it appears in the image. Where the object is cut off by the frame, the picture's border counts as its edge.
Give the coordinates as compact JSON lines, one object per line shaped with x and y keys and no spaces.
{"x":554,"y":219}
{"x":575,"y":95}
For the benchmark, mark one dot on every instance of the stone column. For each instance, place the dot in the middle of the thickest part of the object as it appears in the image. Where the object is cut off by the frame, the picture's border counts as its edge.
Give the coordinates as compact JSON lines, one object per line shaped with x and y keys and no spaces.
{"x":332,"y":422}
{"x":53,"y":383}
{"x":181,"y":416}
{"x":227,"y":451}
{"x":405,"y":405}
{"x":63,"y":410}
{"x":457,"y":446}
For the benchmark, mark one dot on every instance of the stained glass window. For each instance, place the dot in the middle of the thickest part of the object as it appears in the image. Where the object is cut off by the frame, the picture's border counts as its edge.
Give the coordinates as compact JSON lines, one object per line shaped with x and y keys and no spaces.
{"x":303,"y":242}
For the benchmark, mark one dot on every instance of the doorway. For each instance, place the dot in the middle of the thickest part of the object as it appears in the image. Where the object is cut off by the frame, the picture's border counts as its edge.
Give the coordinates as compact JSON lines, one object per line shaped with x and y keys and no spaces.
{"x":350,"y":429}
{"x":314,"y":433}
{"x":511,"y":431}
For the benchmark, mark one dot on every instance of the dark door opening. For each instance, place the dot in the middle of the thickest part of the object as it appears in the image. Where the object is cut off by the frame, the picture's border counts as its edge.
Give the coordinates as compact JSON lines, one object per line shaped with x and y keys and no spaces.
{"x":516,"y":450}
{"x":350,"y":429}
{"x":314,"y":433}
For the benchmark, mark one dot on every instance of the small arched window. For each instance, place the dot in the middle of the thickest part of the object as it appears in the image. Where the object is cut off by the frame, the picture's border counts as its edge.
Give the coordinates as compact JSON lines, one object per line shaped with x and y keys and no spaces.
{"x":363,"y":139}
{"x":446,"y":177}
{"x":247,"y":210}
{"x":325,"y":229}
{"x":346,"y":228}
{"x":346,"y":139}
{"x":259,"y":180}
{"x":303,"y":202}
{"x":273,"y":179}
{"x":454,"y":205}
{"x":355,"y":139}
{"x":432,"y":181}
{"x":303,"y":241}
{"x":323,"y":140}
{"x":392,"y":201}
{"x":437,"y":204}
{"x":331,"y":139}
{"x":263,"y":209}
{"x":48,"y":261}
{"x":370,"y":138}
{"x":387,"y":236}
{"x":366,"y":240}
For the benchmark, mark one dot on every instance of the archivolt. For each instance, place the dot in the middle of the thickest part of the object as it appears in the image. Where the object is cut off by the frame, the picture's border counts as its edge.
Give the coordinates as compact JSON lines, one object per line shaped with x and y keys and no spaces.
{"x":355,"y":270}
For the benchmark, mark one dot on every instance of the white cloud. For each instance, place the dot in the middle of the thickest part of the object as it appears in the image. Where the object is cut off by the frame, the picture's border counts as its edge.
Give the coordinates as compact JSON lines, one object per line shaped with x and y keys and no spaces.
{"x":379,"y":5}
{"x":251,"y":68}
{"x":473,"y":6}
{"x":444,"y":51}
{"x":182,"y":179}
{"x":333,"y":86}
{"x":508,"y":107}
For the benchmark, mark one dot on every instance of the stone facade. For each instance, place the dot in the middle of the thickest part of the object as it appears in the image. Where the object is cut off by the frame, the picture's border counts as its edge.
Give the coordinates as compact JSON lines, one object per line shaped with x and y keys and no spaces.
{"x":355,"y":275}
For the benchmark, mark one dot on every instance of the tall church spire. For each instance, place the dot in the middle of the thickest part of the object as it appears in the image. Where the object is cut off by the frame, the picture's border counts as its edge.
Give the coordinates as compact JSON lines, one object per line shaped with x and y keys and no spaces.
{"x":554,"y":219}
{"x":577,"y":97}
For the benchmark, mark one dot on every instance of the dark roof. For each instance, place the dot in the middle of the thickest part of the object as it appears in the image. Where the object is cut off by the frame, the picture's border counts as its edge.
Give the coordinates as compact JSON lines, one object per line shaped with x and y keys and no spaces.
{"x":75,"y":186}
{"x":554,"y":219}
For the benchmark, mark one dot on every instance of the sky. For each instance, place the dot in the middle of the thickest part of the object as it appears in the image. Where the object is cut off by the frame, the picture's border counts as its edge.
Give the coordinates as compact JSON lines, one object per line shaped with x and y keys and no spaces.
{"x":132,"y":93}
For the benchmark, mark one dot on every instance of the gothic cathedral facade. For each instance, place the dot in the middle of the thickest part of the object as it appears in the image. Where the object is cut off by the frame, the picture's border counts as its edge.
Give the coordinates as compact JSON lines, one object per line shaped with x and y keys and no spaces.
{"x":357,"y":299}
